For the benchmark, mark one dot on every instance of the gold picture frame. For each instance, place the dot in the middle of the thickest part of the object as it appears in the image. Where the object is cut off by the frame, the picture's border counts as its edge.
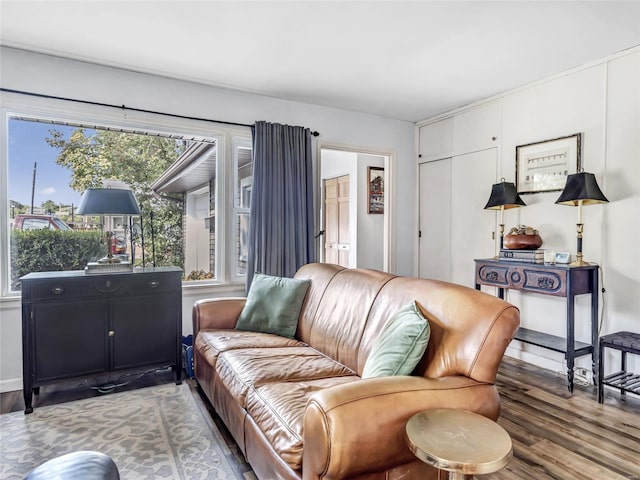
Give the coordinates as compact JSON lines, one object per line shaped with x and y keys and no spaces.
{"x":375,"y":190}
{"x":544,"y":166}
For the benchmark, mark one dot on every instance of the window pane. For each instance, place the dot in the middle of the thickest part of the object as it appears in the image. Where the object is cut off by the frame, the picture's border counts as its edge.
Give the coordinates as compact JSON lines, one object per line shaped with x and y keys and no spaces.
{"x":50,"y":165}
{"x":243,"y":243}
{"x":195,"y":172}
{"x":244,"y":177}
{"x":199,"y":231}
{"x":243,"y":181}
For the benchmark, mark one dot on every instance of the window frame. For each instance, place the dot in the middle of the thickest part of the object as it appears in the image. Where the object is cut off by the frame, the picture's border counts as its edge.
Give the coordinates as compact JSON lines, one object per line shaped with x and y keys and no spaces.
{"x":58,"y":111}
{"x":237,"y":142}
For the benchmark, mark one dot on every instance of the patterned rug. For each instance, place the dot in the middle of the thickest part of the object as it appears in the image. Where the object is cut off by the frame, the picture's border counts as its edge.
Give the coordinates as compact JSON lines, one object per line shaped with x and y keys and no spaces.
{"x":151,"y":433}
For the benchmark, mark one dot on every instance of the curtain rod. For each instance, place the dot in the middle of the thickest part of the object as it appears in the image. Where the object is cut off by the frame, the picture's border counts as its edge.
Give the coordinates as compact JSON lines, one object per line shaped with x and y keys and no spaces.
{"x":124,"y":107}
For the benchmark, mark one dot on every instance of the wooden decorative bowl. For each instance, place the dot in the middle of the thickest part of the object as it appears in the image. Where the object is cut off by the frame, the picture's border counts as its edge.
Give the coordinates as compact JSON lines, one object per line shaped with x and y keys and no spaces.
{"x":522,"y":242}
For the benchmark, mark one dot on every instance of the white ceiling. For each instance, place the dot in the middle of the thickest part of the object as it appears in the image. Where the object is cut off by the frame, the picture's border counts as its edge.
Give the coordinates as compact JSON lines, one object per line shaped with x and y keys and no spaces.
{"x":403,"y":60}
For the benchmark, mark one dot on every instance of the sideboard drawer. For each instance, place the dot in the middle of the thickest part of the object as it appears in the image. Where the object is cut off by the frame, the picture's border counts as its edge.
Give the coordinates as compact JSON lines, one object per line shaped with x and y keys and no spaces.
{"x":63,"y":288}
{"x":109,"y":284}
{"x":154,"y":284}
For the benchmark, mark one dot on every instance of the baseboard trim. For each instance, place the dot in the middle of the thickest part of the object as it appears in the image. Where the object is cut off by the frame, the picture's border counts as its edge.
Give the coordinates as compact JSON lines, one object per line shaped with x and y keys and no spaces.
{"x":10,"y":385}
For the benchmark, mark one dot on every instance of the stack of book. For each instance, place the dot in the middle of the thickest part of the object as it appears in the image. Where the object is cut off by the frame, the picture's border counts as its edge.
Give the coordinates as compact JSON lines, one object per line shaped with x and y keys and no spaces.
{"x":529,"y":256}
{"x":99,"y":268}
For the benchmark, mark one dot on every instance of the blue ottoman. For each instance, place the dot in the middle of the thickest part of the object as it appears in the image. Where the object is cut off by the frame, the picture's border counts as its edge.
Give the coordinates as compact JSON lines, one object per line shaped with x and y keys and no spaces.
{"x":83,"y":465}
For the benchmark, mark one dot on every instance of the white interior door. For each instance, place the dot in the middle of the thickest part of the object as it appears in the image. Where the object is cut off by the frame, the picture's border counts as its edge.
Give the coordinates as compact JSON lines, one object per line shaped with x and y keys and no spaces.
{"x":435,"y":220}
{"x":454,"y":227}
{"x":344,"y":238}
{"x":472,"y":227}
{"x":336,"y":221}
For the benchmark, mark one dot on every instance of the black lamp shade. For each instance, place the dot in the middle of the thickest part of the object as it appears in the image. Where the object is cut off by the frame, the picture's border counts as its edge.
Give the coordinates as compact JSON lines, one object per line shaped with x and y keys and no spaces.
{"x":108,"y":201}
{"x":581,"y":186}
{"x":504,"y":194}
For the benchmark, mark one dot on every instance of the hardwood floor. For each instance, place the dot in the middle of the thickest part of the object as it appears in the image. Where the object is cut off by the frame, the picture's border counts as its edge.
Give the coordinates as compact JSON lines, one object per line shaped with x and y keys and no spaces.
{"x":559,"y":436}
{"x":555,"y":435}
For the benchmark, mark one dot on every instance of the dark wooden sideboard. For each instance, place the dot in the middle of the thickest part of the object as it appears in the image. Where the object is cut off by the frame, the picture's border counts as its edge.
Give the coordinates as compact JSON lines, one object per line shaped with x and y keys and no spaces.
{"x":77,"y":325}
{"x":557,"y":280}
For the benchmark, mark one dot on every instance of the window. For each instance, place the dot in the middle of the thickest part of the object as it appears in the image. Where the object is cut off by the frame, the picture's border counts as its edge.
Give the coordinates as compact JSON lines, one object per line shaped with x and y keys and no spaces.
{"x":175,"y":177}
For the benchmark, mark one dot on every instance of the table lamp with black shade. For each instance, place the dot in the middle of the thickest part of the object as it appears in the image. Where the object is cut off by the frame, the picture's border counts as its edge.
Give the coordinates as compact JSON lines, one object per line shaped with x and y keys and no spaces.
{"x":108,"y":201}
{"x":581,"y":189}
{"x":504,"y":196}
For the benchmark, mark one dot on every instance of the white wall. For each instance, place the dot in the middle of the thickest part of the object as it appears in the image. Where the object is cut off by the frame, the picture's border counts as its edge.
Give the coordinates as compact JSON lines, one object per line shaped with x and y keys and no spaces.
{"x":56,"y":76}
{"x":602,"y":101}
{"x":370,"y":227}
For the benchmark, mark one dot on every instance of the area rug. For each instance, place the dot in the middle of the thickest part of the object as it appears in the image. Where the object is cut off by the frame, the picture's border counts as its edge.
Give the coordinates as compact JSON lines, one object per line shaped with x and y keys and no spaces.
{"x":158,"y":432}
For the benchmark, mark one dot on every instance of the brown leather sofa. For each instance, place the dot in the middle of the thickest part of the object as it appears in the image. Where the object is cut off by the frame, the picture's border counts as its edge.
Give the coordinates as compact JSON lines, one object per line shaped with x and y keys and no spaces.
{"x":298,"y":408}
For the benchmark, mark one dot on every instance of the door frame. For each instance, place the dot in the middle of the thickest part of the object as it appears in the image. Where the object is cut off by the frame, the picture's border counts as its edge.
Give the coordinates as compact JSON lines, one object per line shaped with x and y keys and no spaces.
{"x":390,"y":166}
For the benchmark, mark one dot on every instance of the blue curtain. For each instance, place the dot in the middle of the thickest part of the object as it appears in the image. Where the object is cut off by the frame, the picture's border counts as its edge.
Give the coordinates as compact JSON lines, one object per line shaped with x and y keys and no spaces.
{"x":281,"y":222}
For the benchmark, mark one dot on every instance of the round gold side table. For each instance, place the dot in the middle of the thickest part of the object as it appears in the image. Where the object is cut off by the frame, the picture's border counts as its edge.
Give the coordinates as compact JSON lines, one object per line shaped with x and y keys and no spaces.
{"x":460,"y":442}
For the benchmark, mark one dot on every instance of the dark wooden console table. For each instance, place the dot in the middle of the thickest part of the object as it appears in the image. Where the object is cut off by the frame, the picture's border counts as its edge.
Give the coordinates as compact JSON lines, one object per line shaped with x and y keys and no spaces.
{"x":77,"y":325}
{"x":557,"y":280}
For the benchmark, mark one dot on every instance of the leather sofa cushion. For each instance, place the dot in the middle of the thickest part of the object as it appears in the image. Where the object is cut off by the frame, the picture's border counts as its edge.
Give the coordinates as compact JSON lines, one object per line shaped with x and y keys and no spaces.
{"x":239,"y":370}
{"x":278,"y":410}
{"x":210,"y":343}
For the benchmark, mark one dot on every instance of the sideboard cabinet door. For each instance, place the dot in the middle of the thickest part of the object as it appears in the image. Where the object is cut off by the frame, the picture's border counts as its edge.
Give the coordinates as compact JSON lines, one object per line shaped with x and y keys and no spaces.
{"x":144,"y":331}
{"x":69,"y":341}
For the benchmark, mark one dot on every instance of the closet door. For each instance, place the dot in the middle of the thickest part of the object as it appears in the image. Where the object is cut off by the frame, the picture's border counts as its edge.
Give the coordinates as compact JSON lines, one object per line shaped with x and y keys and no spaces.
{"x":454,"y":227}
{"x":472,"y":227}
{"x":435,"y":220}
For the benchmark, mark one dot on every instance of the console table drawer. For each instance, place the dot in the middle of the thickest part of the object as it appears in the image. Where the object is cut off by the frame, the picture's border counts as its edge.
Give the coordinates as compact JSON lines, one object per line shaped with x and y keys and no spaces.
{"x":524,"y":278}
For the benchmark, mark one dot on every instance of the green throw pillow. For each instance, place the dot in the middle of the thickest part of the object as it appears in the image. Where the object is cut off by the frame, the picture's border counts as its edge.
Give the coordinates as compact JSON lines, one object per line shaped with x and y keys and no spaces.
{"x":400,"y":345}
{"x":273,"y":305}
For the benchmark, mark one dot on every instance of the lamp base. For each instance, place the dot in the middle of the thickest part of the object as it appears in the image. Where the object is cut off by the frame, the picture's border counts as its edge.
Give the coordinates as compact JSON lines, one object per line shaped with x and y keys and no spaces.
{"x":579,"y":263}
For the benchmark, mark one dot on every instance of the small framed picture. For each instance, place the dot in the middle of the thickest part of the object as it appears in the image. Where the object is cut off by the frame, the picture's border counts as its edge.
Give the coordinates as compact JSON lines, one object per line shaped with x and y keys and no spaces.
{"x":544,"y":166}
{"x":375,"y":190}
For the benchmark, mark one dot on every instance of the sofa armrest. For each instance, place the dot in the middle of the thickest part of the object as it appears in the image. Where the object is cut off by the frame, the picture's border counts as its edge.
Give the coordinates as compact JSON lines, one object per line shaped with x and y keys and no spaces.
{"x":359,"y":427}
{"x":216,"y":313}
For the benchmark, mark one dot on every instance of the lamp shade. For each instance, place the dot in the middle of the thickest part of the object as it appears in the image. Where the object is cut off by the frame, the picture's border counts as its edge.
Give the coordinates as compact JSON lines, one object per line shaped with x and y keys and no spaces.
{"x":581,"y":186}
{"x":108,"y":201}
{"x":504,"y":194}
